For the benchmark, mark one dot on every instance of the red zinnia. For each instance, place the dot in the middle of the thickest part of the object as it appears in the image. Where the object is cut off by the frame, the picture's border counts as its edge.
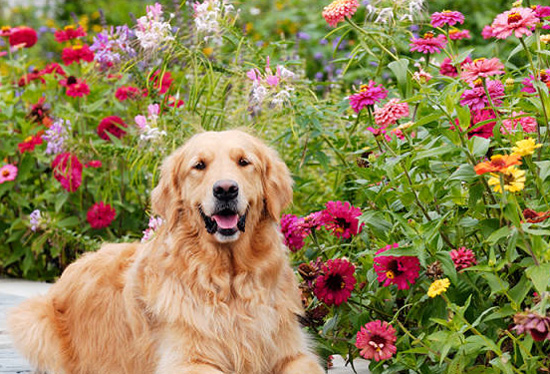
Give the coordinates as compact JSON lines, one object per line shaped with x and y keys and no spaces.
{"x":399,"y":270}
{"x":293,"y":231}
{"x":53,"y":68}
{"x":485,"y":130}
{"x":162,"y":81}
{"x":93,"y":164}
{"x":27,"y":78}
{"x":23,"y":35}
{"x":376,"y":340}
{"x":77,"y":53}
{"x":533,"y":216}
{"x":113,"y":125}
{"x":336,"y":281}
{"x":68,"y":33}
{"x":67,"y":169}
{"x":429,"y":44}
{"x":75,"y":87}
{"x":463,"y":258}
{"x":342,"y":219}
{"x":129,"y":92}
{"x":29,"y":143}
{"x":368,"y":95}
{"x":100,"y":215}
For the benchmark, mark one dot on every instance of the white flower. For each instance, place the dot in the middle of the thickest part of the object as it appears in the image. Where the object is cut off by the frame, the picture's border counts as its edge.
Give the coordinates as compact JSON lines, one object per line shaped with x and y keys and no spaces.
{"x":385,"y":15}
{"x":259,"y":93}
{"x":151,"y":133}
{"x":255,"y":11}
{"x":152,"y":32}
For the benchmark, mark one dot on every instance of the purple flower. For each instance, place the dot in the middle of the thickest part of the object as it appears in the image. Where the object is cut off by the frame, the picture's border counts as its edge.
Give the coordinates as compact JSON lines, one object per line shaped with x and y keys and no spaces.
{"x":35,"y":219}
{"x":56,"y":136}
{"x":110,"y":47}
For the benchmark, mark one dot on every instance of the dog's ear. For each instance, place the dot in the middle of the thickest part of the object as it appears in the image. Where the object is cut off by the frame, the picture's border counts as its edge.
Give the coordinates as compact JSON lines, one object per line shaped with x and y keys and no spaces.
{"x":165,"y":197}
{"x":278,"y":185}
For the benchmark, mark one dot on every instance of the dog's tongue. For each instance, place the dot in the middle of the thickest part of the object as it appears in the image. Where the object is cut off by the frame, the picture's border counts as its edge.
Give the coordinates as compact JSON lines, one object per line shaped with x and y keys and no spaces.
{"x":226,"y":222}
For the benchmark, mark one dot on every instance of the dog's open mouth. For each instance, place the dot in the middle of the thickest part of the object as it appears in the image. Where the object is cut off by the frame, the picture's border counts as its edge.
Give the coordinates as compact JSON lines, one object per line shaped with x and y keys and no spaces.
{"x":226,"y":221}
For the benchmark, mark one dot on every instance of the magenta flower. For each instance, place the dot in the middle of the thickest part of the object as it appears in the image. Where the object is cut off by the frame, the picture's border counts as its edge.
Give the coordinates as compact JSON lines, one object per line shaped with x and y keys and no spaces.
{"x":533,"y":323}
{"x":429,"y":44}
{"x":447,"y":68}
{"x":8,"y":173}
{"x":338,"y":10}
{"x":376,"y":340}
{"x":399,"y":270}
{"x":447,"y":17}
{"x":544,"y":77}
{"x":390,"y":113}
{"x":67,"y":169}
{"x":481,"y":68}
{"x":456,"y":34}
{"x":487,"y":32}
{"x":293,"y":232}
{"x":100,"y":215}
{"x":517,"y":21}
{"x":368,"y":95}
{"x":527,"y":124}
{"x":463,"y":258}
{"x":476,"y":98}
{"x":342,"y":219}
{"x":336,"y":281}
{"x":485,"y":130}
{"x":113,"y":125}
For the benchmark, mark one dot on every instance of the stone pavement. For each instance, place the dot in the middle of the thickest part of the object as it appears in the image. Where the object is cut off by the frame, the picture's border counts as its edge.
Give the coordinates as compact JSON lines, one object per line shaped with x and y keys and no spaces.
{"x":12,"y":292}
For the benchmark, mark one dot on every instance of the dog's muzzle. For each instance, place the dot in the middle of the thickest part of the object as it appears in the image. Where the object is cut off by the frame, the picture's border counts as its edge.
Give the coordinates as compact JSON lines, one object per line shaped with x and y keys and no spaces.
{"x":225,"y":219}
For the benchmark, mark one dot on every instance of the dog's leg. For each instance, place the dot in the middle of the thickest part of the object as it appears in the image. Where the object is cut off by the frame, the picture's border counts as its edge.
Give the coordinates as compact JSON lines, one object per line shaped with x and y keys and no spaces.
{"x":302,"y":364}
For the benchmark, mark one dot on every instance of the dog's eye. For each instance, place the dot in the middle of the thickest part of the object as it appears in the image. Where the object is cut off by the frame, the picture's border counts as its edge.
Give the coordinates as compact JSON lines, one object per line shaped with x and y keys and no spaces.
{"x":243,"y":162}
{"x":199,"y":165}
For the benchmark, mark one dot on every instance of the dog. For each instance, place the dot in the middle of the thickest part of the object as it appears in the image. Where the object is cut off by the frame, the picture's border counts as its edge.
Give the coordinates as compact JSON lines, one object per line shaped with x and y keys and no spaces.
{"x":212,"y":293}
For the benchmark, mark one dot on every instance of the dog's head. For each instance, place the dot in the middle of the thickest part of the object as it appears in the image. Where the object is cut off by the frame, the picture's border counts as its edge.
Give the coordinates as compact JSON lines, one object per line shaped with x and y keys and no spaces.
{"x":224,"y":182}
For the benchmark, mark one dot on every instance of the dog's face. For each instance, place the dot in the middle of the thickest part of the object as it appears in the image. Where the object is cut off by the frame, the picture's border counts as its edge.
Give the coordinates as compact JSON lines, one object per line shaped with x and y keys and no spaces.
{"x":225,"y":181}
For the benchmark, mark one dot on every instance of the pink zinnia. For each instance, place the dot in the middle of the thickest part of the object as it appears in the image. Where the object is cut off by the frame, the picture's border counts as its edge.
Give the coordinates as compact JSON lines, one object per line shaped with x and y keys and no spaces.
{"x":481,"y":68}
{"x":399,"y":270}
{"x":517,"y":21}
{"x":447,"y":17}
{"x":293,"y":232}
{"x":336,"y":282}
{"x":447,"y":68}
{"x":8,"y":173}
{"x":113,"y":125}
{"x":463,"y":258}
{"x":376,"y":340}
{"x":476,"y":98}
{"x":429,"y":43}
{"x":75,"y":87}
{"x":100,"y":215}
{"x":392,"y":111}
{"x":338,"y":10}
{"x":67,"y":169}
{"x":544,"y":77}
{"x":162,"y":81}
{"x":368,"y":95}
{"x":457,"y":34}
{"x":528,"y":124}
{"x":487,"y":32}
{"x":342,"y":219}
{"x":93,"y":164}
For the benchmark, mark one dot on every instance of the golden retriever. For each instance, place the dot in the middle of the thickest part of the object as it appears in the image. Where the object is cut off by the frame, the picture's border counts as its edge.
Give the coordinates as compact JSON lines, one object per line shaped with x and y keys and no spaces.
{"x":211,"y":293}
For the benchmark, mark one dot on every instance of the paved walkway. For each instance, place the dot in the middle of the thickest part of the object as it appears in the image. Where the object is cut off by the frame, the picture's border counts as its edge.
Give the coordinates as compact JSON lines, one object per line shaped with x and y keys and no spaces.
{"x":12,"y":292}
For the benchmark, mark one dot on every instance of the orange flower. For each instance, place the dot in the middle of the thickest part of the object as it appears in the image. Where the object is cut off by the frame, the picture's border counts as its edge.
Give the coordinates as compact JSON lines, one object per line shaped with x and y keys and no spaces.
{"x":532,"y":216}
{"x":497,"y":164}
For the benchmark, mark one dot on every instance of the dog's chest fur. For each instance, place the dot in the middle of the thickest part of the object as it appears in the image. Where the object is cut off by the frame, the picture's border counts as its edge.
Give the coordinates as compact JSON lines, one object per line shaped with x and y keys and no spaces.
{"x":230,"y":320}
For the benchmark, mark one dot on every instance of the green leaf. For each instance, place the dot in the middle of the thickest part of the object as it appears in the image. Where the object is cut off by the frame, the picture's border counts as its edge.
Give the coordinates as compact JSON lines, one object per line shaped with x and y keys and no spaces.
{"x":496,"y":236}
{"x":480,"y":146}
{"x":68,"y":222}
{"x":544,"y":167}
{"x":400,"y":69}
{"x":520,"y":290}
{"x":464,"y":173}
{"x":540,"y":276}
{"x":496,"y":284}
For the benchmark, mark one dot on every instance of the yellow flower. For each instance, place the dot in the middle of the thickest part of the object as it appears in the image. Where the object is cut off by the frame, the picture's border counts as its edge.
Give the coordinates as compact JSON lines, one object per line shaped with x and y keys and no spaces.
{"x":514,"y":180}
{"x":438,"y":287}
{"x":545,"y":38}
{"x":525,"y":147}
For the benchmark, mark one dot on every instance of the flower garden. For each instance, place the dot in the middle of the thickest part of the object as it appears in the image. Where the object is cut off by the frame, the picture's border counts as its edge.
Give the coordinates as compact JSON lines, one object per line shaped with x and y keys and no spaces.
{"x":416,"y":134}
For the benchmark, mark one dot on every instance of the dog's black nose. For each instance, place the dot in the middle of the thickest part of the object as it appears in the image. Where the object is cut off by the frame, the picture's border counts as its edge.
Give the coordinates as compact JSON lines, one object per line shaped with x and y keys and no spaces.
{"x":225,"y":190}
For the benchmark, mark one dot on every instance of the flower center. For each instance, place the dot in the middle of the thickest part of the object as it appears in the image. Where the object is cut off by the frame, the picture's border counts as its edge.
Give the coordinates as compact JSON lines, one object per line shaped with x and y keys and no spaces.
{"x":342,"y":223}
{"x":27,"y":139}
{"x":514,"y":17}
{"x":393,"y":270}
{"x":377,"y":342}
{"x":428,"y":35}
{"x":335,"y":282}
{"x":5,"y":28}
{"x":479,"y":59}
{"x":5,"y":173}
{"x":364,"y":88}
{"x":478,"y":82}
{"x":69,"y":27}
{"x":77,"y":47}
{"x":454,"y":31}
{"x":71,"y":80}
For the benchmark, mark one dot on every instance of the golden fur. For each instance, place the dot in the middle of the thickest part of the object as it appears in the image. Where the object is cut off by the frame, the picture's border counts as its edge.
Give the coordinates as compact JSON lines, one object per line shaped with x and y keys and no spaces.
{"x":186,"y":302}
